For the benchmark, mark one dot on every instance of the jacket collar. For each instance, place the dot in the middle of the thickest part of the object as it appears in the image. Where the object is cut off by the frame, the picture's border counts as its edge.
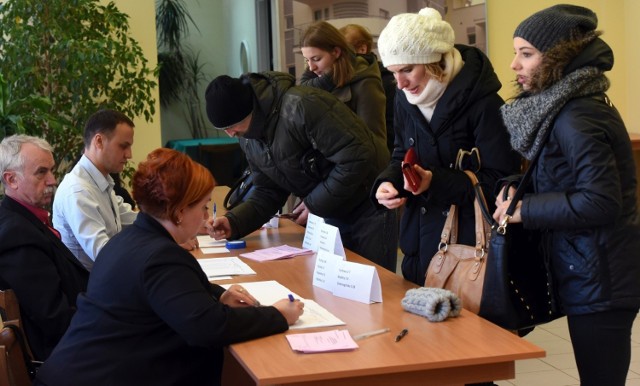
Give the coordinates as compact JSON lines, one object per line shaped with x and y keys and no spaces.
{"x":12,"y":205}
{"x":150,"y":224}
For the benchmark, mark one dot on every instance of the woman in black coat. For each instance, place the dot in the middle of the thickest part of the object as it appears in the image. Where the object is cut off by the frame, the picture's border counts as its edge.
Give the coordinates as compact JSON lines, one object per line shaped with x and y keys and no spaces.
{"x":150,"y":315}
{"x":584,"y":184}
{"x":448,"y":103}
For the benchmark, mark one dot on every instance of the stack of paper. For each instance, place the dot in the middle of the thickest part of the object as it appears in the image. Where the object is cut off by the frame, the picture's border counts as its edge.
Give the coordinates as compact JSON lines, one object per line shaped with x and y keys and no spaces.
{"x":325,"y":341}
{"x":269,"y":292}
{"x":209,"y":245}
{"x":223,"y":267}
{"x":275,"y":253}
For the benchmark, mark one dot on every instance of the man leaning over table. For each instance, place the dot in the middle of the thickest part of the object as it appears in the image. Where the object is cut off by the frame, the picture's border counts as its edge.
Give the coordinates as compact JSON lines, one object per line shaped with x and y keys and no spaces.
{"x":303,"y":141}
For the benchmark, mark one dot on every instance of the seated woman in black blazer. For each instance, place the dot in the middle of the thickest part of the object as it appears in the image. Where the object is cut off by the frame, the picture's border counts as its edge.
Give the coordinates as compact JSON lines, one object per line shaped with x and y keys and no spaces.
{"x":150,"y":315}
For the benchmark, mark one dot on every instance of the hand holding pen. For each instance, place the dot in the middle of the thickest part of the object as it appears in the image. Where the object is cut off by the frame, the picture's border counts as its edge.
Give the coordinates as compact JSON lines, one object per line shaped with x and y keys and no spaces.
{"x":218,"y":227}
{"x":290,"y":308}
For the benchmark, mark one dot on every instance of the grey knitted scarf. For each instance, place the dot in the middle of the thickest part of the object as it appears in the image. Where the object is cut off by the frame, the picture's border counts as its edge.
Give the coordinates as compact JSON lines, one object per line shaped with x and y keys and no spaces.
{"x":529,"y":117}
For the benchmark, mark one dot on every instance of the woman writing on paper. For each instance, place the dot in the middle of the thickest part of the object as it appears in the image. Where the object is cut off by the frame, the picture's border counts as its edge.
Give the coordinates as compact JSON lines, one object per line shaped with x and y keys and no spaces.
{"x":150,"y":315}
{"x":584,"y":184}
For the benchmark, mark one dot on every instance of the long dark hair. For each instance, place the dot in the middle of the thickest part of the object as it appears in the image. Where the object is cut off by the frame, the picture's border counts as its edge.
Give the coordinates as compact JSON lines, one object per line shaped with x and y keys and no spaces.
{"x":556,"y":59}
{"x":326,"y":37}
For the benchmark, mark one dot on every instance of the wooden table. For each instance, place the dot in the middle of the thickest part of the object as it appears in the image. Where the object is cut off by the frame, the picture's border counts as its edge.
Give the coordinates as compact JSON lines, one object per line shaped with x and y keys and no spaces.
{"x":459,"y":350}
{"x":635,"y":141}
{"x":635,"y":146}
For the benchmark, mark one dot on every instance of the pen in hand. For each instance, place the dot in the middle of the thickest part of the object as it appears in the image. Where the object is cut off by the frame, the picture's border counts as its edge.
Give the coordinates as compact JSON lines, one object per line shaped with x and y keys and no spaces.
{"x":401,"y":334}
{"x":214,"y":211}
{"x":291,"y":299}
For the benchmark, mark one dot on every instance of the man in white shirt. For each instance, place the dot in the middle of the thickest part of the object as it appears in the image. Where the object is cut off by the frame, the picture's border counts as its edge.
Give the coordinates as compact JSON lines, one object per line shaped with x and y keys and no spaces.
{"x":86,"y":210}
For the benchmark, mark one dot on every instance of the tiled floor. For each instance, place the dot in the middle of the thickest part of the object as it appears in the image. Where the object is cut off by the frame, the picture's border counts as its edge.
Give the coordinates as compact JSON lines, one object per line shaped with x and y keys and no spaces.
{"x":558,"y":368}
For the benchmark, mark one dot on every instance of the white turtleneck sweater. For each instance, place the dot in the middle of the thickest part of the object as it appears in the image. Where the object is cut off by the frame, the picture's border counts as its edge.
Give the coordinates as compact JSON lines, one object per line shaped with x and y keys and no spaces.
{"x":431,"y":94}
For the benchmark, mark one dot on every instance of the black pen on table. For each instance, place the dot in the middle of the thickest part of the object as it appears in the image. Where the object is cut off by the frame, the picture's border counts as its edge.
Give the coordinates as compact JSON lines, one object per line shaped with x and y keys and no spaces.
{"x":401,"y":334}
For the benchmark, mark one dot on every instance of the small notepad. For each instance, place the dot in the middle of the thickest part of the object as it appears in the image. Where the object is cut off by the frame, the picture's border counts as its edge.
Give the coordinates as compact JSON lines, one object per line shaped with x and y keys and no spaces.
{"x":324,"y":341}
{"x":275,"y":253}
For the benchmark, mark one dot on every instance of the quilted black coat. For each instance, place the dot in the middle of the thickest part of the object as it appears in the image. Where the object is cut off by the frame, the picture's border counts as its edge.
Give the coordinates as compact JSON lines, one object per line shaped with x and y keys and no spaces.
{"x":304,"y":141}
{"x":585,"y":186}
{"x":466,"y":116}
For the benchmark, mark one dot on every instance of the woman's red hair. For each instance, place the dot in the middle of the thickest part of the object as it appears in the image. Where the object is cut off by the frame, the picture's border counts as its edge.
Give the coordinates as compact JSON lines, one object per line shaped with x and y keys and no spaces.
{"x":168,"y":181}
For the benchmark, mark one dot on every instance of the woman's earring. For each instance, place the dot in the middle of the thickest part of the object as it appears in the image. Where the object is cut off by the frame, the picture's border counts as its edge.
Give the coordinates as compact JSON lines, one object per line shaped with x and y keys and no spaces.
{"x":179,"y":221}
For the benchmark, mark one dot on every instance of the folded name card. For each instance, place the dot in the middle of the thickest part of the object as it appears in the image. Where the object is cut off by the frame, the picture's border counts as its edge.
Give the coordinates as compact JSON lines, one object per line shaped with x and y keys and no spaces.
{"x":357,"y":282}
{"x":312,"y":232}
{"x":346,"y":279}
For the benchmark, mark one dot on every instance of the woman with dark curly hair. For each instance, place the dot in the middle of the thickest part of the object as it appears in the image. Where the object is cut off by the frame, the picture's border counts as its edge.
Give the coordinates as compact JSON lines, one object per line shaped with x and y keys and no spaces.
{"x":584,"y":184}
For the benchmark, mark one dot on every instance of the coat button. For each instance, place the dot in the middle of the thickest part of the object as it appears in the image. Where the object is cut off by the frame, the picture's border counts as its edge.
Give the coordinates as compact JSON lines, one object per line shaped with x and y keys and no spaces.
{"x":412,"y":141}
{"x":571,"y":267}
{"x":423,"y":210}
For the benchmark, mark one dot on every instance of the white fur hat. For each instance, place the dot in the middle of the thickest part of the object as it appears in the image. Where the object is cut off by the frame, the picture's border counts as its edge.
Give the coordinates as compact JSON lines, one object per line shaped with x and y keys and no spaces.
{"x":411,"y":38}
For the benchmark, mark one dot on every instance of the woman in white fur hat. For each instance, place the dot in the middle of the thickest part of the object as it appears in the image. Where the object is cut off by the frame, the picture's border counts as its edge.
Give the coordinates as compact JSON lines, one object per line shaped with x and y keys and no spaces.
{"x":447,"y":101}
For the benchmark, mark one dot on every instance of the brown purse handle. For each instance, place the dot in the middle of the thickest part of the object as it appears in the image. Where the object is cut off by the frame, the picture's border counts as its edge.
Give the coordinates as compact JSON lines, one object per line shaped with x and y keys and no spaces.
{"x":449,"y":233}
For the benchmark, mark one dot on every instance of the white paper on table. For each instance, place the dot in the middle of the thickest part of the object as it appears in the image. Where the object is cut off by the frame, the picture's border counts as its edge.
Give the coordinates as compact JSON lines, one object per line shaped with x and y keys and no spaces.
{"x":276,"y":253}
{"x":269,"y":292}
{"x":214,"y":250}
{"x":225,"y":266}
{"x":205,"y":241}
{"x":219,"y":278}
{"x":325,"y":341}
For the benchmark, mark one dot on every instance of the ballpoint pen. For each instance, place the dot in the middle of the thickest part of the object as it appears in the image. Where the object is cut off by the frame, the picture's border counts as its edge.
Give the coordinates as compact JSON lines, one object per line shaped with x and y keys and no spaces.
{"x":370,"y":333}
{"x":214,"y":211}
{"x":291,"y":299}
{"x":401,"y":334}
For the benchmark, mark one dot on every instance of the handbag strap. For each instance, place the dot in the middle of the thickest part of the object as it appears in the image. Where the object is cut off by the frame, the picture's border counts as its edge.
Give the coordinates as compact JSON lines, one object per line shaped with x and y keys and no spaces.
{"x":236,"y":189}
{"x":526,"y":178}
{"x":482,"y":226}
{"x":450,"y":229}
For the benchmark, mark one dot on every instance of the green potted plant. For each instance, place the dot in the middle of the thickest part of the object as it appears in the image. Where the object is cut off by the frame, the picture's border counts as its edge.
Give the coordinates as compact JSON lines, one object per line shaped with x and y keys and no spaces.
{"x":181,"y":70}
{"x":64,"y":60}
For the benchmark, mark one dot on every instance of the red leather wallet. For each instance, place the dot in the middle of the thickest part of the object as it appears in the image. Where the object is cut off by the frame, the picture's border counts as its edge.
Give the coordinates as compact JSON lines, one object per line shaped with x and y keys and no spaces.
{"x":413,"y":178}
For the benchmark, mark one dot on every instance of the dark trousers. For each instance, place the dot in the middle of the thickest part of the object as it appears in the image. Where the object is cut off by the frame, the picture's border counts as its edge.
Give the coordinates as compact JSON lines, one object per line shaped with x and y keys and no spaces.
{"x":602,"y":346}
{"x":373,"y":234}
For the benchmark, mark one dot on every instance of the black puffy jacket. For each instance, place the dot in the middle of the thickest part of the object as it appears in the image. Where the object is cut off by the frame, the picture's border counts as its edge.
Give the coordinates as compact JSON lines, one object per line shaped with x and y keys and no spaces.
{"x":466,"y":116}
{"x":585,"y":195}
{"x":304,"y":141}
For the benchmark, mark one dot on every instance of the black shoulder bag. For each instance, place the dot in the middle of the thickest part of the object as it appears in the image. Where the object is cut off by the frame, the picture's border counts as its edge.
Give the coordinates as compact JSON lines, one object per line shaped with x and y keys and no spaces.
{"x":517,"y":294}
{"x":239,"y":190}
